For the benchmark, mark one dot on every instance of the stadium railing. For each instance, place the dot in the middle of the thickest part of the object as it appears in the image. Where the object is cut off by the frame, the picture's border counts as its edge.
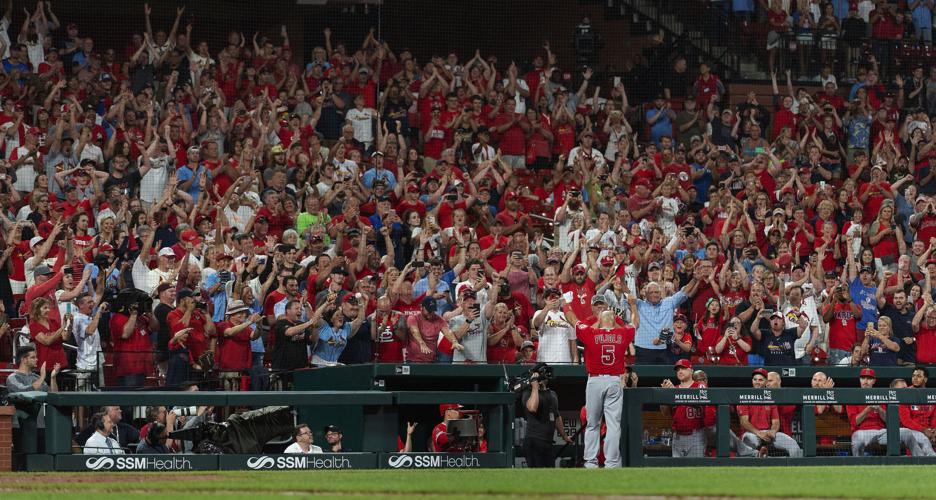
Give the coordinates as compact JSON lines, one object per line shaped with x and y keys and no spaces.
{"x":377,"y":432}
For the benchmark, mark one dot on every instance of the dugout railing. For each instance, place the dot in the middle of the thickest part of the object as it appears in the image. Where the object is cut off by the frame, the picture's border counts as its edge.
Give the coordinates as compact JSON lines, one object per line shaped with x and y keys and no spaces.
{"x":643,"y":402}
{"x":375,"y":435}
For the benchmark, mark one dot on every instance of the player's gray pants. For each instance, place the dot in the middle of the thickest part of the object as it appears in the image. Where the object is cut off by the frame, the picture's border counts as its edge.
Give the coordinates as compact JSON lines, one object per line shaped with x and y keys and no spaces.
{"x":781,"y":442}
{"x":689,"y":445}
{"x":919,"y":444}
{"x":603,"y":397}
{"x":861,"y":439}
{"x":735,"y":444}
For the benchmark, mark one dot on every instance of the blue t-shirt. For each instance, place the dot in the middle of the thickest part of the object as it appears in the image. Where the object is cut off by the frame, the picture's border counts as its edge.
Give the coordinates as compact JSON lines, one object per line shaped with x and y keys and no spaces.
{"x":864,"y":297}
{"x":219,"y":299}
{"x":184,"y":173}
{"x":332,"y":342}
{"x":256,"y":345}
{"x":663,"y":126}
{"x":703,"y":183}
{"x":879,"y":354}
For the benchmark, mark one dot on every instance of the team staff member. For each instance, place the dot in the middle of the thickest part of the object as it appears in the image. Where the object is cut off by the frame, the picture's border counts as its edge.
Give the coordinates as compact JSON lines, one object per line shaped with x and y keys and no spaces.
{"x":868,"y":421}
{"x":541,"y":411}
{"x":761,"y":423}
{"x":688,"y":420}
{"x":605,"y":347}
{"x":440,"y":442}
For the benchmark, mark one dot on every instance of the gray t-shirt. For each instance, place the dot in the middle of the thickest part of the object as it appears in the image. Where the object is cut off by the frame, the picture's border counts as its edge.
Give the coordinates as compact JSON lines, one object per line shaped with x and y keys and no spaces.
{"x":23,"y":382}
{"x":475,"y":339}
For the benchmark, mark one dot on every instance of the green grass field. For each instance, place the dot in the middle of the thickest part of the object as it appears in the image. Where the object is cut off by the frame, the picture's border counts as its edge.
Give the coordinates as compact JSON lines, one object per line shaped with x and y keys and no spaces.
{"x":740,"y":482}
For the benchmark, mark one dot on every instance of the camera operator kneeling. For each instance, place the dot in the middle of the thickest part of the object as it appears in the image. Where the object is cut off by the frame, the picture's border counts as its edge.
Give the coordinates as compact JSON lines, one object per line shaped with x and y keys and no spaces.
{"x":541,"y":411}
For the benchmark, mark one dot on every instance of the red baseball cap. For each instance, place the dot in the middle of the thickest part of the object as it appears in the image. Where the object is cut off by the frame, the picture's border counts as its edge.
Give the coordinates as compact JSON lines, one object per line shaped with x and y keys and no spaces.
{"x":190,"y":236}
{"x":448,"y":406}
{"x":759,"y":371}
{"x":607,"y":260}
{"x":867,"y":372}
{"x":683,"y":363}
{"x":579,"y":268}
{"x":412,"y":188}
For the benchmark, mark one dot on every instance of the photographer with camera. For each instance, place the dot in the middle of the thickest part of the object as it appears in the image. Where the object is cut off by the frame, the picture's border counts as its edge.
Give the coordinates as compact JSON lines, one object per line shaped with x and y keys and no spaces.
{"x":201,"y":342}
{"x":129,"y":334}
{"x":541,"y":412}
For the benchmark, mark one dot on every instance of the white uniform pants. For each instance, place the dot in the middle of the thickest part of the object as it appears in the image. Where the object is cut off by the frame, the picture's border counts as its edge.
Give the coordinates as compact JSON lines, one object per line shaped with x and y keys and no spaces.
{"x":781,"y":442}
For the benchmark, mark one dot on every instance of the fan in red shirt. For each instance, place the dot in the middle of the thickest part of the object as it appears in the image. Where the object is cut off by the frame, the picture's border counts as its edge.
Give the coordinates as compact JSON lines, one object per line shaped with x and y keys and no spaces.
{"x":132,"y":347}
{"x":842,"y":315}
{"x":505,"y":336}
{"x":925,"y":331}
{"x":48,"y":334}
{"x":388,"y":332}
{"x":688,"y":420}
{"x":187,"y":315}
{"x":605,"y":348}
{"x":234,"y":336}
{"x":578,"y":292}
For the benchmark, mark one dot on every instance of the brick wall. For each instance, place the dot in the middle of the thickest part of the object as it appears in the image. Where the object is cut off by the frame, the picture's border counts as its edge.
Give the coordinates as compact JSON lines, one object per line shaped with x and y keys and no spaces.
{"x":6,"y":438}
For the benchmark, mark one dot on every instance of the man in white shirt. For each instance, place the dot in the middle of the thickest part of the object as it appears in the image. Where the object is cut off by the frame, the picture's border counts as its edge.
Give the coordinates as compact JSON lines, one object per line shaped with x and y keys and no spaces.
{"x":146,"y":279}
{"x":100,"y":443}
{"x":85,"y":333}
{"x":556,"y":336}
{"x":303,"y":436}
{"x":362,"y":119}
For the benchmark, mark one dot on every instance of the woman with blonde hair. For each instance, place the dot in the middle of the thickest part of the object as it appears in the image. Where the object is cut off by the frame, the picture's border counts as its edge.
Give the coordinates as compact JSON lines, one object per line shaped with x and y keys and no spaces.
{"x":880,"y":344}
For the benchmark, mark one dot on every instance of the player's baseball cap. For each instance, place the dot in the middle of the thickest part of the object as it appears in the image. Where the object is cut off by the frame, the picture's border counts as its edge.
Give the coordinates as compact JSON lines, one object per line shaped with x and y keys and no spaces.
{"x":448,"y":406}
{"x":680,"y":317}
{"x":777,"y":314}
{"x":682,"y":363}
{"x":429,"y":303}
{"x":867,"y":269}
{"x":332,"y":428}
{"x":759,"y":371}
{"x":867,"y":373}
{"x":599,"y":299}
{"x":525,"y":344}
{"x":579,"y":268}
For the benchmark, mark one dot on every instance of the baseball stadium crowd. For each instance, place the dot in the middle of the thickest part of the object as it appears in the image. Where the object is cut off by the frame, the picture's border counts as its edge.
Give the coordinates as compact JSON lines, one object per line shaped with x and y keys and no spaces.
{"x":179,"y":213}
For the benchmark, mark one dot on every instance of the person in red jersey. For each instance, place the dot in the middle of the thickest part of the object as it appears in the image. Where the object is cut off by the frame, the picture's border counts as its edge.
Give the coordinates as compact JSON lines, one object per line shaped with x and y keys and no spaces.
{"x":761,"y":423}
{"x":605,"y":346}
{"x":868,"y":422}
{"x":688,"y":420}
{"x":915,"y":421}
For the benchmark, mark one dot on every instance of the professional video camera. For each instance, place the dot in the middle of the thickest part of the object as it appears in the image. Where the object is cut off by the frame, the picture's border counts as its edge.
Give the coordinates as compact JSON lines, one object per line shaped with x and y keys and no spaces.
{"x":542,"y":371}
{"x":245,"y":432}
{"x":127,"y":299}
{"x":464,"y":434}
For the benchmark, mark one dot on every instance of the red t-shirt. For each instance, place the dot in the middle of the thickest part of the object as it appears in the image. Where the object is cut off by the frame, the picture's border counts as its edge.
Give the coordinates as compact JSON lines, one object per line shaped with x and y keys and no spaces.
{"x":389,"y":347}
{"x":234,"y":351}
{"x":760,"y":416}
{"x":512,"y":140}
{"x":431,"y":331}
{"x":197,"y":342}
{"x":581,"y":297}
{"x":48,"y":354}
{"x":842,"y":330}
{"x":926,"y":345}
{"x":130,"y":354}
{"x":605,"y":349}
{"x":872,"y":421}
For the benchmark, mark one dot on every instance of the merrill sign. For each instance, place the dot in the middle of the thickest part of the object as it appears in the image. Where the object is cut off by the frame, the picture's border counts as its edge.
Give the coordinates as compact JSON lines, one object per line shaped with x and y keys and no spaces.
{"x":701,"y":396}
{"x":827,"y":398}
{"x":756,"y":397}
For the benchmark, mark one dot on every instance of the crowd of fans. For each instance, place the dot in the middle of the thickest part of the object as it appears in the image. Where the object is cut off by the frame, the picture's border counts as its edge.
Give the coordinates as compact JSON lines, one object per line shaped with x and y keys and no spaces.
{"x":222,"y":214}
